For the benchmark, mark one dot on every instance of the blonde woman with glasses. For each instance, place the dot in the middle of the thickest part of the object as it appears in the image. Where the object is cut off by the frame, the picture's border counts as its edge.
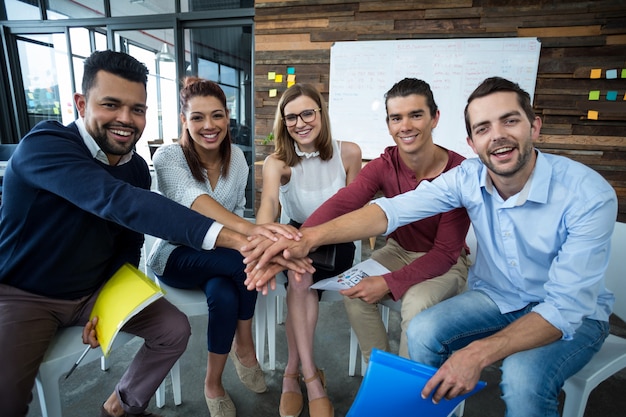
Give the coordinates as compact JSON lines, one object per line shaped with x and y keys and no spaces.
{"x":307,"y":168}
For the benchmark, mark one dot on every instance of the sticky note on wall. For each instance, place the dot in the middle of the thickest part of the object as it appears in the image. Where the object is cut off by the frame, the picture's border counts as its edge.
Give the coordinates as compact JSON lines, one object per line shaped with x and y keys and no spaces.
{"x":611,"y":74}
{"x":596,"y":73}
{"x":611,"y":95}
{"x":594,"y":95}
{"x":592,"y":115}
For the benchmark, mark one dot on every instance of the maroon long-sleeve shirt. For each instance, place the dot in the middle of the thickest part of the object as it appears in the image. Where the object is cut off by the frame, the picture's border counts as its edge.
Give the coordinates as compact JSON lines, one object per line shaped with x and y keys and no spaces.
{"x":442,"y":237}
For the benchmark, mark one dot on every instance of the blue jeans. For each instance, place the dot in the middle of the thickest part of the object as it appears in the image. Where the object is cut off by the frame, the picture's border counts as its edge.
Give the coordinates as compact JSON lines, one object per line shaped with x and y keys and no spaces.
{"x":220,"y":274}
{"x":531,"y":379}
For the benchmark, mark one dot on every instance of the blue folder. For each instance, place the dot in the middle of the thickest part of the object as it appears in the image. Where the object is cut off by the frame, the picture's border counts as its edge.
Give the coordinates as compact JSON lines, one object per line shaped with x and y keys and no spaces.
{"x":392,"y":387}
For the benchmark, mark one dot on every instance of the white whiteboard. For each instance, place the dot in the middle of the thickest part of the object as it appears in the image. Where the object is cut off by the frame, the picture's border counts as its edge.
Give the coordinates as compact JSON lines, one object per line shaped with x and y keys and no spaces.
{"x":362,"y":72}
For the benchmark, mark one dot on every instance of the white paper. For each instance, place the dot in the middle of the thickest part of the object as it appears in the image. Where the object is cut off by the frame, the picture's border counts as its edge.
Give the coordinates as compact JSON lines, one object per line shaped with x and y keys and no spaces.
{"x":351,"y":277}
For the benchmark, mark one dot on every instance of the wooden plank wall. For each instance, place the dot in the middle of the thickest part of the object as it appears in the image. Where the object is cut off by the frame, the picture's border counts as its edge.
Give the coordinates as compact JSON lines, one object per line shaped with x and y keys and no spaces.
{"x":576,"y":37}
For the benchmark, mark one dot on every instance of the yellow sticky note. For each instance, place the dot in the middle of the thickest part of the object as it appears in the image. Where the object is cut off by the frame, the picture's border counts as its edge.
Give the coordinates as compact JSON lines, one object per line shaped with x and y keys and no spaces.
{"x":291,"y":78}
{"x":596,"y":73}
{"x":279,"y":78}
{"x":594,"y":95}
{"x":271,"y":75}
{"x":592,"y":115}
{"x":273,"y":92}
{"x":290,"y":83}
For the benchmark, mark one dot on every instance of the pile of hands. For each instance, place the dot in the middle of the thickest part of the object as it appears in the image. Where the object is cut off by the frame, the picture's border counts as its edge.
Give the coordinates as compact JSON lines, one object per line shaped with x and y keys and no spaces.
{"x":273,"y":248}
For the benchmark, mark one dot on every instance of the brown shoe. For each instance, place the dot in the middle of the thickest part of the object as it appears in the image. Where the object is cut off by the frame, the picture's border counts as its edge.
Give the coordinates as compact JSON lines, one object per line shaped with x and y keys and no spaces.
{"x":291,"y":403}
{"x":104,"y":413}
{"x":320,"y":407}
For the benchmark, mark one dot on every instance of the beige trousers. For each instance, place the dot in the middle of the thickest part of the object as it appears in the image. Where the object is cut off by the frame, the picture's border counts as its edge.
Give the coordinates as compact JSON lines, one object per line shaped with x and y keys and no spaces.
{"x":365,"y":318}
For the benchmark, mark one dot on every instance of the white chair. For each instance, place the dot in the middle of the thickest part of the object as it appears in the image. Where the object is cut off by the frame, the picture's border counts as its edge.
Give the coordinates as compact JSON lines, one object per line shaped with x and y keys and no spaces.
{"x":65,"y":349}
{"x":612,"y":356}
{"x":191,"y":303}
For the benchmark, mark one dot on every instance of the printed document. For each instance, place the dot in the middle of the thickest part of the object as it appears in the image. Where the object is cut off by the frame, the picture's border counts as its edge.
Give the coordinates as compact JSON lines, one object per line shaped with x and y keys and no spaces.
{"x":352,"y":276}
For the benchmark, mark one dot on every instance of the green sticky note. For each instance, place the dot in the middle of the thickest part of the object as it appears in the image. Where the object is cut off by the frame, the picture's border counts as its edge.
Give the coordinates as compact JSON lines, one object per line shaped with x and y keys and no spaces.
{"x":624,"y":73}
{"x":594,"y":95}
{"x":611,"y":95}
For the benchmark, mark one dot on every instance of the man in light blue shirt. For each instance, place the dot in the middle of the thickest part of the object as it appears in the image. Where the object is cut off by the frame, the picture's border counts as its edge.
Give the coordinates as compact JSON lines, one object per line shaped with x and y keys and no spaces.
{"x":536,"y":297}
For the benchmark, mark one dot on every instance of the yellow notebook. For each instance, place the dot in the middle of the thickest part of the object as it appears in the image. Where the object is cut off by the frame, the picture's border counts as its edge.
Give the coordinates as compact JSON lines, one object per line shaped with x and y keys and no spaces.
{"x":124,"y":295}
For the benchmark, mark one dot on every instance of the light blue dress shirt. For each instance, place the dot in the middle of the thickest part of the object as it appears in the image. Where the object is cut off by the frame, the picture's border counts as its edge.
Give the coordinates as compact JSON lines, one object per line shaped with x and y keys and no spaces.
{"x":549,"y":244}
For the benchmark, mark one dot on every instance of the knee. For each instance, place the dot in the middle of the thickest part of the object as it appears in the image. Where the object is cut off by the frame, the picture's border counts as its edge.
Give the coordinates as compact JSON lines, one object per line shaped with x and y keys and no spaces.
{"x":176,"y":330}
{"x":420,"y":334}
{"x":222,"y":297}
{"x":301,"y":286}
{"x":526,"y":388}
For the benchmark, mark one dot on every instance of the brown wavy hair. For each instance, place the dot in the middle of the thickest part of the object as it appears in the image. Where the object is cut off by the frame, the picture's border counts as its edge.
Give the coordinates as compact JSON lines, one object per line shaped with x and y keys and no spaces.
{"x":199,"y":87}
{"x":283,"y":142}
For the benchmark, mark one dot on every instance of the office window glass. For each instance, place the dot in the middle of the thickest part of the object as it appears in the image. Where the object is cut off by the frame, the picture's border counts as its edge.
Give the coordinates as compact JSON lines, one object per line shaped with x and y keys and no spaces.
{"x":81,"y":41}
{"x":46,"y":77}
{"x":229,"y":75}
{"x":22,"y":10}
{"x":101,"y":41}
{"x":72,"y":9}
{"x":208,"y":70}
{"x":147,"y":46}
{"x":224,"y":54}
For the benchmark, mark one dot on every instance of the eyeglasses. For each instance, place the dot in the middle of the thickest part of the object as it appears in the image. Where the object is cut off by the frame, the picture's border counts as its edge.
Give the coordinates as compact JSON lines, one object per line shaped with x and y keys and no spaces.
{"x":307,"y":116}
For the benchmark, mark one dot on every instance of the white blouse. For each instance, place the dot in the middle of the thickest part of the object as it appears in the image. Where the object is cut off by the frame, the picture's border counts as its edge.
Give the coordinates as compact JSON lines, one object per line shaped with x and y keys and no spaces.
{"x":312,"y":182}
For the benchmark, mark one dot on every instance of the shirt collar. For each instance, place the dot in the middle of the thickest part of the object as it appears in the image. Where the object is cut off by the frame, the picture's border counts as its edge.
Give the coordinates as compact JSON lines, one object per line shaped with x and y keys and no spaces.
{"x":93,"y":147}
{"x":536,"y":187}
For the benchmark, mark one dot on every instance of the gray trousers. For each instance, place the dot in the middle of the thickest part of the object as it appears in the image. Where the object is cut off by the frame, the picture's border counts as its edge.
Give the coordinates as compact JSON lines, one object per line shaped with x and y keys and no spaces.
{"x":28,"y":322}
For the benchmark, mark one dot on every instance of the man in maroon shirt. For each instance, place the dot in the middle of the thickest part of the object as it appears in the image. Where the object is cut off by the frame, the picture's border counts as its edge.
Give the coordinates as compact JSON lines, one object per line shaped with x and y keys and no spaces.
{"x":427,"y":258}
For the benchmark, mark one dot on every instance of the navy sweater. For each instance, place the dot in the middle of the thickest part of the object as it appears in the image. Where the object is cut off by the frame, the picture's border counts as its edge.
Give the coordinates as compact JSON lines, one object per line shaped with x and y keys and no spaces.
{"x":68,"y":221}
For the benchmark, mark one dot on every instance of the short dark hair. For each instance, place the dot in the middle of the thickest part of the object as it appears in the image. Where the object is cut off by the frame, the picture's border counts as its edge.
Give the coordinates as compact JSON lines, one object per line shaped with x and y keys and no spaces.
{"x":498,"y":84}
{"x":408,"y":86}
{"x":117,"y":63}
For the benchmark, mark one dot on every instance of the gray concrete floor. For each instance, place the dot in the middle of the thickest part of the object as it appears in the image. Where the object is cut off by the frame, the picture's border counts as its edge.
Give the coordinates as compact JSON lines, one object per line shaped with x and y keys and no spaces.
{"x":83,"y":393}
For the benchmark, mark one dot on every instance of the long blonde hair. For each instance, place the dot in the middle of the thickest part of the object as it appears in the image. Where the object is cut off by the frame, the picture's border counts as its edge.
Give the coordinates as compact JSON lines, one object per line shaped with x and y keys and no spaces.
{"x":283,"y":142}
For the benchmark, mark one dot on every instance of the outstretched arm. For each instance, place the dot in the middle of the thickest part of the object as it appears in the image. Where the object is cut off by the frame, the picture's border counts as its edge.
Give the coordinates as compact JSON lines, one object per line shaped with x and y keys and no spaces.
{"x":359,"y":224}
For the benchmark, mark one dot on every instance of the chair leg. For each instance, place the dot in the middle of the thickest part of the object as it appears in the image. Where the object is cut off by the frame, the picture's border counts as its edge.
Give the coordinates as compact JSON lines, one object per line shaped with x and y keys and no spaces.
{"x":460,"y":409}
{"x":104,"y":363}
{"x":354,"y":347}
{"x":384,"y":312}
{"x":50,"y":397}
{"x":271,"y":311}
{"x":279,"y":309}
{"x":575,"y":398}
{"x":160,"y":394}
{"x":176,"y":385}
{"x":260,"y":326}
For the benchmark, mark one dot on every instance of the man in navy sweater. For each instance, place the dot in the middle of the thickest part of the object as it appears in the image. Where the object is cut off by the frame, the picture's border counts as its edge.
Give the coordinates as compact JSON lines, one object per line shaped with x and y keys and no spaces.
{"x":75,"y":206}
